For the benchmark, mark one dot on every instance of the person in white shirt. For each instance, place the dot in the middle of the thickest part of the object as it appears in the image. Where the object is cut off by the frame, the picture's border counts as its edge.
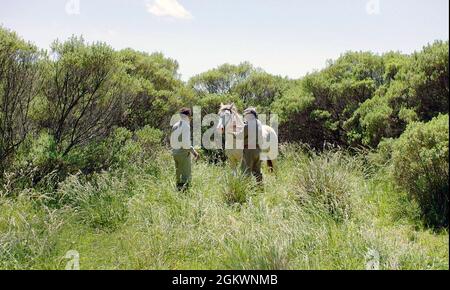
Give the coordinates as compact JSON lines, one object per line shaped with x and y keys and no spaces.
{"x":182,"y":149}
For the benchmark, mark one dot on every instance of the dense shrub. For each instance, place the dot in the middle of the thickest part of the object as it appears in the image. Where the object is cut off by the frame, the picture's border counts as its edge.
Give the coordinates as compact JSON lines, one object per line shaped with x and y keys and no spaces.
{"x":120,"y":149}
{"x":315,"y":110}
{"x":221,"y":80}
{"x":260,"y":90}
{"x":149,"y":139}
{"x":362,"y":98}
{"x":19,"y":84}
{"x":85,"y":93}
{"x":36,"y":164}
{"x":156,"y":91}
{"x":417,"y":91}
{"x":382,"y":156}
{"x":243,"y":84}
{"x":420,"y":165}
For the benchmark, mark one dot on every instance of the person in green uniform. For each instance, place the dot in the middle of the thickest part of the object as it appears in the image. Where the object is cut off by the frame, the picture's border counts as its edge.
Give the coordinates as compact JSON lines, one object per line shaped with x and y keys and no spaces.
{"x":251,"y":162}
{"x":182,"y":150}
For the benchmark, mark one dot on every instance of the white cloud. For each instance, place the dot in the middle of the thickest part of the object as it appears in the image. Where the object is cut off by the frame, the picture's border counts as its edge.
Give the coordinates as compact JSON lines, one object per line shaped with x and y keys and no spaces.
{"x":168,"y":8}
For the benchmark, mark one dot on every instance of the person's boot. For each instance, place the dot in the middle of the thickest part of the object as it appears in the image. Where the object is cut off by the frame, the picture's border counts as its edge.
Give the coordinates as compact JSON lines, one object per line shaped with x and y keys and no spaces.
{"x":259,"y":177}
{"x":182,"y":186}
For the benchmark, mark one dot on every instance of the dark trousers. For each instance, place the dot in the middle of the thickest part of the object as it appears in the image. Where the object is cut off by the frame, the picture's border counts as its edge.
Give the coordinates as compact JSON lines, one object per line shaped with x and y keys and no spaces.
{"x":251,"y":163}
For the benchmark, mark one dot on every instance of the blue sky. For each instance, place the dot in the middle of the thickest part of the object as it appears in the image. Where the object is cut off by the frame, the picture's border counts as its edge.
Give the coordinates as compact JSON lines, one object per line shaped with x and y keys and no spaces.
{"x":285,"y":37}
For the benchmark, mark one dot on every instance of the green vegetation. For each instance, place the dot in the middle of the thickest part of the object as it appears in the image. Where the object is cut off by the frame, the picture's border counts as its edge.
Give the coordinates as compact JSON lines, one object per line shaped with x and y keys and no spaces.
{"x":420,"y":161}
{"x":84,"y":163}
{"x":134,"y":218}
{"x":362,"y":98}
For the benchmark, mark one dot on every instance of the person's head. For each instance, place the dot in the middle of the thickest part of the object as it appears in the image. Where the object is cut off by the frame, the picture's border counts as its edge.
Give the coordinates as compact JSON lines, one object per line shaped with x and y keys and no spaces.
{"x":250,"y":113}
{"x":186,"y":112}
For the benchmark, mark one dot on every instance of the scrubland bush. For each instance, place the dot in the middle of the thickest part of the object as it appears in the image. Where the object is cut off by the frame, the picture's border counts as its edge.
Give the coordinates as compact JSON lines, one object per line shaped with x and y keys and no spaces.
{"x":38,"y":163}
{"x":361,"y":98}
{"x":420,"y":166}
{"x":33,"y":163}
{"x":20,"y":81}
{"x":382,"y":156}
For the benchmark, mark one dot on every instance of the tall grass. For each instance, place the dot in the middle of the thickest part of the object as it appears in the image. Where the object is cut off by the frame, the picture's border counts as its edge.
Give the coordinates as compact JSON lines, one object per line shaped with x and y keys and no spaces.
{"x":100,"y":203}
{"x":28,"y":232}
{"x":237,"y":188}
{"x":319,"y":211}
{"x":327,"y":183}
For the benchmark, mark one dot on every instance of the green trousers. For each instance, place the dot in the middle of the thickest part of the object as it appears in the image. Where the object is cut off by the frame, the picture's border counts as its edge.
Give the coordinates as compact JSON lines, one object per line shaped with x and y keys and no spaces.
{"x":251,"y":163}
{"x":183,"y":167}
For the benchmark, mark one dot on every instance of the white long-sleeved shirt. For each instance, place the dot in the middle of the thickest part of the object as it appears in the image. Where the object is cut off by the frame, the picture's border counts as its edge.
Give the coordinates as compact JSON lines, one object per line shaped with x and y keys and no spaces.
{"x":180,"y":139}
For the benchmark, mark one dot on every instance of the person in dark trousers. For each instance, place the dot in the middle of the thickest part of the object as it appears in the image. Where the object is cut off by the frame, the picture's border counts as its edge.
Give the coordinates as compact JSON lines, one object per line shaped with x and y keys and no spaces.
{"x":251,"y":162}
{"x":182,"y":153}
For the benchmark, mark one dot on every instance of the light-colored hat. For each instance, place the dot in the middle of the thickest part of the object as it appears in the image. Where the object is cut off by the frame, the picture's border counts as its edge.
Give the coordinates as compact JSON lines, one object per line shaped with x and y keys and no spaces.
{"x":251,"y":111}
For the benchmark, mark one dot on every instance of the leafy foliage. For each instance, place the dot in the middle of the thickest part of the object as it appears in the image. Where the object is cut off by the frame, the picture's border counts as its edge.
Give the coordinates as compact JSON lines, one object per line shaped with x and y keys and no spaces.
{"x":245,"y":85}
{"x":156,"y":92}
{"x":322,"y":102}
{"x":83,"y":95}
{"x":19,"y":84}
{"x":420,"y":160}
{"x":362,"y":98}
{"x":417,"y":92}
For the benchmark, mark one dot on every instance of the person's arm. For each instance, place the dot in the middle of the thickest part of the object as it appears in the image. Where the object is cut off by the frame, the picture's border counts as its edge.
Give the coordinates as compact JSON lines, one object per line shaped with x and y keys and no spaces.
{"x":243,"y":133}
{"x":195,"y":153}
{"x":190,"y":147}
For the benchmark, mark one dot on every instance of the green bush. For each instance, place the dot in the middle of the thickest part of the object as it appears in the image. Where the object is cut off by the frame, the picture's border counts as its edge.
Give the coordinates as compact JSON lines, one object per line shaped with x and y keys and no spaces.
{"x":20,"y":80}
{"x":36,"y":164}
{"x":102,"y":155}
{"x":382,"y":156}
{"x":416,"y":91}
{"x":149,"y":138}
{"x":120,"y":150}
{"x":420,"y":166}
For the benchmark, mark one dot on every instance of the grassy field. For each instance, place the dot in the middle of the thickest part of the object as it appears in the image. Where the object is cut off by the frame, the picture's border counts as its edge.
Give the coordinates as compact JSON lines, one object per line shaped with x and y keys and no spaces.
{"x":320,"y":211}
